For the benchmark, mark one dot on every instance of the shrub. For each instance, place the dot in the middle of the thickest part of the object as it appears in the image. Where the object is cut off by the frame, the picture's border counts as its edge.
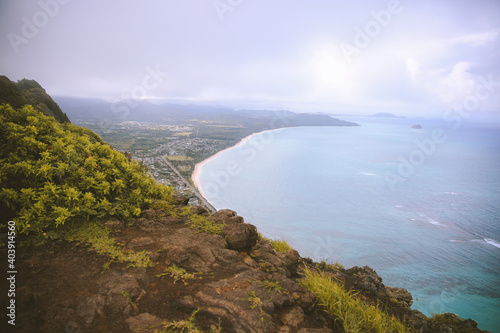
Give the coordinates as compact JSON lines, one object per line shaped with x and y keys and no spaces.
{"x":53,"y":174}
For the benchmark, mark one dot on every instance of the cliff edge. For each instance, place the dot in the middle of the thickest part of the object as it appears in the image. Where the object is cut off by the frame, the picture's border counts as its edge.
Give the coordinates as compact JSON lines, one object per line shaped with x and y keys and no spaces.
{"x":200,"y":282}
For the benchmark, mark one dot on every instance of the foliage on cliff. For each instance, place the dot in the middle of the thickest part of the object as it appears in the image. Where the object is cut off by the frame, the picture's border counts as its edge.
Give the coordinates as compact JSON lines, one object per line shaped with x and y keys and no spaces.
{"x":52,"y":174}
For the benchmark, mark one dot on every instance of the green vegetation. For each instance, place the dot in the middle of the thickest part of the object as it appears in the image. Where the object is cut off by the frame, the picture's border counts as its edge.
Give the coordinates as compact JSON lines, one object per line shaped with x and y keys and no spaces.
{"x":126,"y":294}
{"x":323,"y":265}
{"x":178,"y":273}
{"x":179,"y":158}
{"x":188,"y":326}
{"x":183,"y":133}
{"x":256,"y":302}
{"x":452,"y":323}
{"x":97,"y":237}
{"x":202,"y":223}
{"x":276,"y":286}
{"x":353,"y":314}
{"x":279,"y":245}
{"x":56,"y":174}
{"x":30,"y":92}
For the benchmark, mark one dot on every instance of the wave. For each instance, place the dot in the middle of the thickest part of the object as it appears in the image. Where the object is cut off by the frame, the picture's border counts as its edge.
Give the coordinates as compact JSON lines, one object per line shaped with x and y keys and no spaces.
{"x":480,"y":238}
{"x":433,"y":221}
{"x":493,"y":242}
{"x":490,"y":241}
{"x":430,"y":220}
{"x":369,"y":174}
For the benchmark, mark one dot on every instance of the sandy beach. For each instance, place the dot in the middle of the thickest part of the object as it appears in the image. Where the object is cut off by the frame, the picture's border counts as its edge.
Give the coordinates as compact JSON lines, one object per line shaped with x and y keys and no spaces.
{"x":199,"y":166}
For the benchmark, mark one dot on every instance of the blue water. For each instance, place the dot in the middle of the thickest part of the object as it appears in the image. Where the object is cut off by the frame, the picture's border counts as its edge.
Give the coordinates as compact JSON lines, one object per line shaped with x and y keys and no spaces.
{"x":421,"y":207}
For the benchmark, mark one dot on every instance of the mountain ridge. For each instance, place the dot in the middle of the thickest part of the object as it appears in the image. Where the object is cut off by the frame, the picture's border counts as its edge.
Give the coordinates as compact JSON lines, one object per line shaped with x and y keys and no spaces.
{"x":30,"y":92}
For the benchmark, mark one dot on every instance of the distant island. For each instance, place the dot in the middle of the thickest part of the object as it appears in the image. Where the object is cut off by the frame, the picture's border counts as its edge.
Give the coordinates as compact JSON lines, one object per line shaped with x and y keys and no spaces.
{"x":416,"y":126}
{"x":385,"y":115}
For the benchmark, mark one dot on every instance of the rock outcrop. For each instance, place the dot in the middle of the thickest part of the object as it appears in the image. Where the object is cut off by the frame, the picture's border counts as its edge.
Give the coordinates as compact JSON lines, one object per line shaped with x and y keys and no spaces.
{"x":237,"y":283}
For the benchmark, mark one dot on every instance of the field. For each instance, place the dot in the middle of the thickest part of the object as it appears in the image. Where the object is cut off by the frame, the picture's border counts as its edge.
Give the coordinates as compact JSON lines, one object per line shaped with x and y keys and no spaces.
{"x":183,"y":133}
{"x":179,"y":158}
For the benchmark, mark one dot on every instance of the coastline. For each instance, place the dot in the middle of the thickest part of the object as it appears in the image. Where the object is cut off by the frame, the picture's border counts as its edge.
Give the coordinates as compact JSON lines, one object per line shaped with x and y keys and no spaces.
{"x":198,"y":167}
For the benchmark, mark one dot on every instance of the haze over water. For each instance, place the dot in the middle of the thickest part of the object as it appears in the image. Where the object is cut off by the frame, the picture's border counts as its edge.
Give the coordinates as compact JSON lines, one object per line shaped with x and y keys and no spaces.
{"x":424,"y":216}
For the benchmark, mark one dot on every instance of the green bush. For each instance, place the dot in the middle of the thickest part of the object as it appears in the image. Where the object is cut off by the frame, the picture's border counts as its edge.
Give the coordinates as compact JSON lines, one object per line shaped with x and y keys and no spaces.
{"x":53,"y":174}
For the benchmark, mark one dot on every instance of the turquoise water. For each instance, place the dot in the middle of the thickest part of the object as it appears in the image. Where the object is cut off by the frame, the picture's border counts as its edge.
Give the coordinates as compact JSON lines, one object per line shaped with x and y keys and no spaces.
{"x":421,"y":207}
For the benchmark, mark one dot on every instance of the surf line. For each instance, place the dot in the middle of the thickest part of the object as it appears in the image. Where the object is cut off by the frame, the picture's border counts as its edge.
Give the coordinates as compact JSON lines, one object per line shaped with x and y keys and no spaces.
{"x":222,"y":178}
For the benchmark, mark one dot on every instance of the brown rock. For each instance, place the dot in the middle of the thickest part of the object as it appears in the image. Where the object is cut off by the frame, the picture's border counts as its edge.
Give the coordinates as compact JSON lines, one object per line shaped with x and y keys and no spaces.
{"x":294,"y":317}
{"x":368,"y":280}
{"x":226,"y":216}
{"x":140,"y":242}
{"x":402,"y":296}
{"x":200,"y":210}
{"x":144,"y":322}
{"x":90,"y":307}
{"x":291,"y":261}
{"x":114,"y":225}
{"x":241,"y":236}
{"x":150,"y":214}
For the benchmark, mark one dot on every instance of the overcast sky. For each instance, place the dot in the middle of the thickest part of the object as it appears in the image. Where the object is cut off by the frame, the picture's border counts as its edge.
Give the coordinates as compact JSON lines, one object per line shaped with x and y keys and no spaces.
{"x":408,"y":57}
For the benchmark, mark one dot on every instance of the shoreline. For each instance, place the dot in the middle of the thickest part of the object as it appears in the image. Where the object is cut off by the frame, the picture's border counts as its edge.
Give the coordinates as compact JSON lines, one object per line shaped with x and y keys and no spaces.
{"x":198,"y":167}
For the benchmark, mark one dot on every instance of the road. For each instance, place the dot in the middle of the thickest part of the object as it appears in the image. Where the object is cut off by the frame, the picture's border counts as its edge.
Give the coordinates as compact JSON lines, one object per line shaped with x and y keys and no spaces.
{"x":195,"y":191}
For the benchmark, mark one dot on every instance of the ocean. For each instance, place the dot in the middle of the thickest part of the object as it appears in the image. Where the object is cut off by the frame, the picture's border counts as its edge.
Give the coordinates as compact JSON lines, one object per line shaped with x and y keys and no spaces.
{"x":420,"y":206}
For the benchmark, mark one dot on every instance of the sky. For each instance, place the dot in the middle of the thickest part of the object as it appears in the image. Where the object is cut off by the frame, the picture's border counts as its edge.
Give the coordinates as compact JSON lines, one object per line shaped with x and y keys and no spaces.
{"x":429,"y":58}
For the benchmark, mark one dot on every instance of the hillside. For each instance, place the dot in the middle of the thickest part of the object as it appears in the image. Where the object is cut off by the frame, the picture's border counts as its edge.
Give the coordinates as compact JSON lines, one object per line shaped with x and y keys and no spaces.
{"x":99,"y":246}
{"x":30,"y":92}
{"x":85,"y":109}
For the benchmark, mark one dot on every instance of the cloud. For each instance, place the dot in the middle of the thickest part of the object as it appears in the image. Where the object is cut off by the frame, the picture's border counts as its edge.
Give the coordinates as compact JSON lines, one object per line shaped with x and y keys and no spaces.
{"x":476,"y":39}
{"x":412,"y":67}
{"x":457,"y":84}
{"x":266,"y":53}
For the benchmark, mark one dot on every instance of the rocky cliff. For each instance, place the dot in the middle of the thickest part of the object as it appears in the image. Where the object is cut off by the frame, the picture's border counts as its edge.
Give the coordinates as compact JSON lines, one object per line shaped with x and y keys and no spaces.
{"x":199,"y":283}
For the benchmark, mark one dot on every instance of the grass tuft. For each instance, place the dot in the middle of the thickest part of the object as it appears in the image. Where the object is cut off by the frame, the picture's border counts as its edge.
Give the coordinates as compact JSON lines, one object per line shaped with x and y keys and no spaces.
{"x":178,"y":273}
{"x":352,"y":313}
{"x":337,"y":267}
{"x":188,"y":326}
{"x":276,"y":286}
{"x":256,"y":302}
{"x":97,"y":237}
{"x":202,"y":223}
{"x":279,"y":245}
